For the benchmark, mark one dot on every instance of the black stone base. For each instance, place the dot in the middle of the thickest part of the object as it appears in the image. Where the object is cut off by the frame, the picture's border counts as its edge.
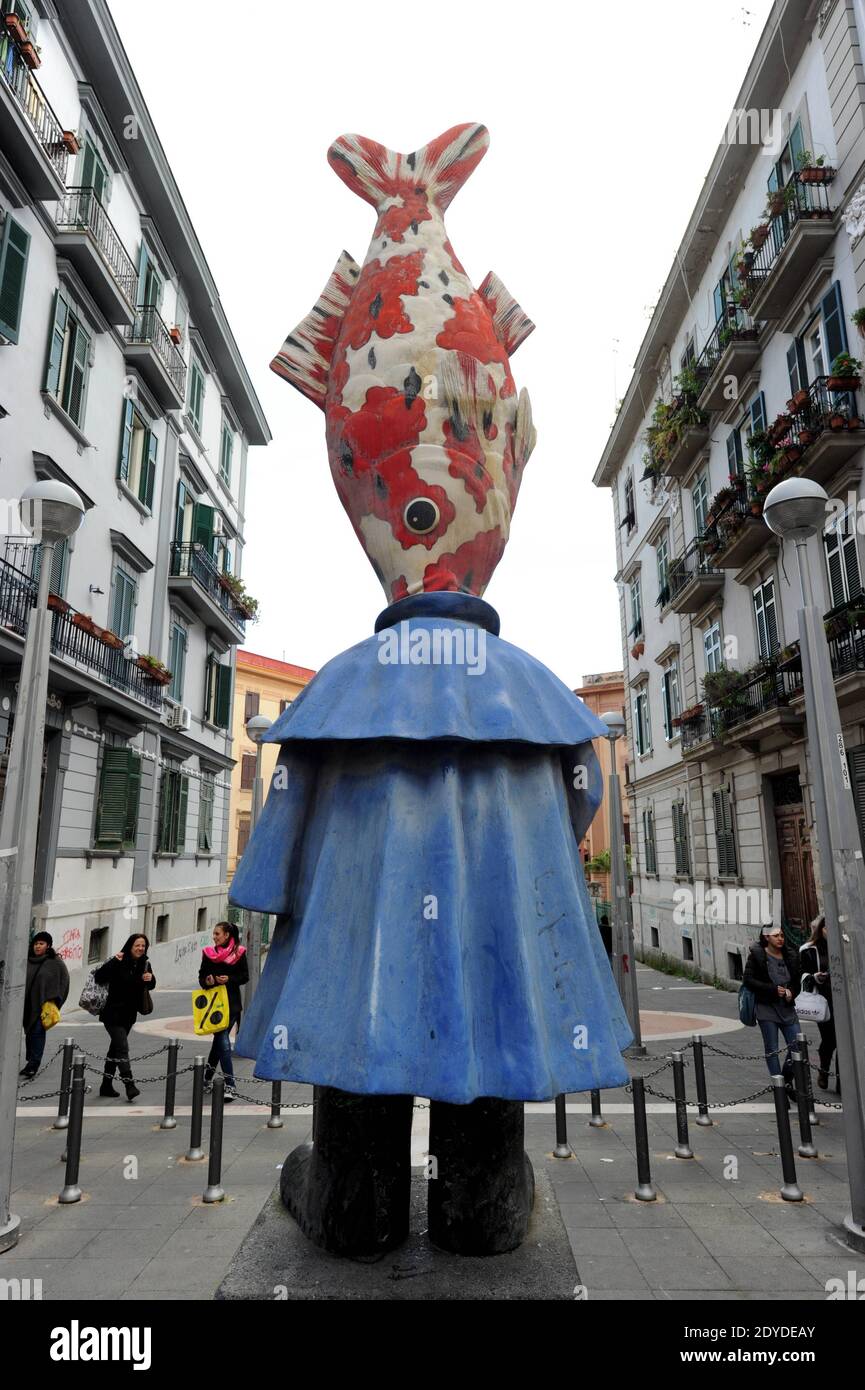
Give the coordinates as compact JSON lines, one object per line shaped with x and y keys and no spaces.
{"x":277,"y":1261}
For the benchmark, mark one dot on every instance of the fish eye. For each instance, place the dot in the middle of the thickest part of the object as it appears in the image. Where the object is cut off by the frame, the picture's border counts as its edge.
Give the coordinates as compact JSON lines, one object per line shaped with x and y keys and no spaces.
{"x":421,"y":515}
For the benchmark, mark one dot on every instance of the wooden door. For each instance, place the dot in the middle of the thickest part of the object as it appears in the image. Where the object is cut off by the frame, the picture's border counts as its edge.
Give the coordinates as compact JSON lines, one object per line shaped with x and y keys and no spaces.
{"x":798,"y":894}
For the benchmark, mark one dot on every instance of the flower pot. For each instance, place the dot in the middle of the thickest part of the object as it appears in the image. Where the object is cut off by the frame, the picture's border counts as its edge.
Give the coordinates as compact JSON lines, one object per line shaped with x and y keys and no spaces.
{"x":112,"y":640}
{"x":792,"y":453}
{"x":175,"y":335}
{"x":854,"y":423}
{"x":70,"y":140}
{"x":756,"y":507}
{"x":15,"y":26}
{"x":58,"y":604}
{"x":30,"y":56}
{"x":158,"y":677}
{"x":797,"y":402}
{"x":836,"y":422}
{"x":842,"y":383}
{"x":85,"y":623}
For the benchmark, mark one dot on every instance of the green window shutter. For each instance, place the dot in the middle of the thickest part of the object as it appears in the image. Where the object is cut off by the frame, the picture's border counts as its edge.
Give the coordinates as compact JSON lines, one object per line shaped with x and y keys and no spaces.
{"x":758,"y":413}
{"x":143,"y":261}
{"x":797,"y":144}
{"x":202,"y":526}
{"x":75,"y":393}
{"x":88,"y":165}
{"x":148,"y":470}
{"x":734,"y":453}
{"x":123,"y":605}
{"x":14,"y":250}
{"x":165,"y":843}
{"x":182,"y":804}
{"x":125,"y":441}
{"x":117,"y":801}
{"x":133,"y":795}
{"x":56,"y":339}
{"x":223,"y":696}
{"x":205,"y":815}
{"x":833,"y":323}
{"x":180,"y":513}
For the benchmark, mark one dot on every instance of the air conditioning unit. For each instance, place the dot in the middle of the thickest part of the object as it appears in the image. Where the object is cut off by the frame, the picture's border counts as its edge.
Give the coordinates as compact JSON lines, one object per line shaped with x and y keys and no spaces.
{"x":181,"y":717}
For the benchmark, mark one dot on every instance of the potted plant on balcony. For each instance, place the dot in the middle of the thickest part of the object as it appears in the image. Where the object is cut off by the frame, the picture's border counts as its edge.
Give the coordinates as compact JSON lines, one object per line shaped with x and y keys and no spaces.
{"x":112,"y":640}
{"x":845,"y":373}
{"x":30,"y":54}
{"x":16,"y":27}
{"x":638,"y":648}
{"x":248,"y":605}
{"x":58,"y":604}
{"x":690,"y":715}
{"x":779,"y":427}
{"x":779,"y":200}
{"x":836,"y":420}
{"x":797,"y":403}
{"x":758,"y":235}
{"x":70,"y":140}
{"x":858,"y":317}
{"x":813,"y":170}
{"x":724,"y":688}
{"x":854,"y":422}
{"x":154,"y":669}
{"x":175,"y":334}
{"x":85,"y":623}
{"x":790,"y":659}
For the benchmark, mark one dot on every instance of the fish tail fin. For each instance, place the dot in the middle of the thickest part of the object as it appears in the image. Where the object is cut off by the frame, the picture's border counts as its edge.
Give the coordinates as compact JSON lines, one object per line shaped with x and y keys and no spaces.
{"x":439,"y":169}
{"x":304,"y":358}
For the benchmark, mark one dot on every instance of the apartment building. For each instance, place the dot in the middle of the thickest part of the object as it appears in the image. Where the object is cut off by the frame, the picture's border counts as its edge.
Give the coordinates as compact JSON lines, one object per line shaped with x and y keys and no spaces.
{"x":743,"y":378}
{"x":263,"y":685}
{"x":603,"y":691}
{"x":119,"y":376}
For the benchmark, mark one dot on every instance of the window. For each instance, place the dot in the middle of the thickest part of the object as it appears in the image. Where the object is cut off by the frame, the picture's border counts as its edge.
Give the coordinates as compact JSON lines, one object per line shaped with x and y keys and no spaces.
{"x":788,"y":163}
{"x":283,"y":705}
{"x":247,"y":771}
{"x":842,"y":559}
{"x":636,"y":610}
{"x":138,"y":449}
{"x":97,"y":945}
{"x":662,"y":557}
{"x":251,"y":705}
{"x":757,"y":413}
{"x":797,"y":366}
{"x":242,"y":834}
{"x":206,"y":791}
{"x":68,"y":360}
{"x":173,"y":798}
{"x":816,"y":351}
{"x":117,"y":799}
{"x":14,"y":250}
{"x":94,"y":172}
{"x":687,"y":948}
{"x":59,"y":566}
{"x":177,"y":643}
{"x":655,"y":936}
{"x":735,"y":462}
{"x":649,"y":840}
{"x":630,"y":517}
{"x":124,"y":596}
{"x":712,"y":647}
{"x":834,"y":330}
{"x":196,"y":394}
{"x":681,"y":847}
{"x":226,"y":449}
{"x":217,"y":694}
{"x":725,"y":838}
{"x":149,"y":281}
{"x":690,"y":354}
{"x":162,"y":927}
{"x":642,"y":726}
{"x":734,"y":965}
{"x":201,"y":919}
{"x":670,"y":691}
{"x":700,"y":496}
{"x":765,"y":616}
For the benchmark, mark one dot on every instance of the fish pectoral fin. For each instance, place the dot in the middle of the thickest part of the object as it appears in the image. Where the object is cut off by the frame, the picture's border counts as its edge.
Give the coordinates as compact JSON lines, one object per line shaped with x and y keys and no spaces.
{"x":511,"y":323}
{"x":304,"y":358}
{"x":525,"y":434}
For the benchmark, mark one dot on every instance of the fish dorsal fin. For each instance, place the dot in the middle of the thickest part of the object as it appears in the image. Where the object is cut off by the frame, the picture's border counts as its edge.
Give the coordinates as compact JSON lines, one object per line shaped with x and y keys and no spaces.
{"x":304,"y":358}
{"x":438,"y":170}
{"x":512,"y":324}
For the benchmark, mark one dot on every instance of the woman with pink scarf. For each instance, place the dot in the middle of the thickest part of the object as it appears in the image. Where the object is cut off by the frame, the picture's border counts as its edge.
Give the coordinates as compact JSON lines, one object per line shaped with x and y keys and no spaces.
{"x":224,"y":963}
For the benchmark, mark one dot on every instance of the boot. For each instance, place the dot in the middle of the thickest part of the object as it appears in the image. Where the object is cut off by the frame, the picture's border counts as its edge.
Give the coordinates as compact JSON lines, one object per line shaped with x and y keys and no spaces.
{"x":350,"y":1189}
{"x":481,"y":1193}
{"x":29,"y":1071}
{"x":131,"y":1090}
{"x":823,"y":1080}
{"x":106,"y":1089}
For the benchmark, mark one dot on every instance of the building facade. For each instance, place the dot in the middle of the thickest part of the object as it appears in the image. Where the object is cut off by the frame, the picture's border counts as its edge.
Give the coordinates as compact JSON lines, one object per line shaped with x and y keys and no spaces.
{"x":741,"y":380}
{"x":265,"y":686}
{"x":602,"y":692}
{"x":120,"y":377}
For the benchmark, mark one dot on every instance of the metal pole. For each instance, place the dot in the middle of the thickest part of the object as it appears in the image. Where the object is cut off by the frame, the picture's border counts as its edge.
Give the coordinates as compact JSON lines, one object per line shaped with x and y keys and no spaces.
{"x":62,"y":1121}
{"x":597,"y":1121}
{"x":806,"y":1144}
{"x":683,"y":1147}
{"x":563,"y":1148}
{"x":703,"y":1117}
{"x":71,"y":1191}
{"x":19,"y":826}
{"x":195,"y":1151}
{"x":802,"y":1047}
{"x":624,"y":964}
{"x":644,"y":1191}
{"x":168,"y":1121}
{"x":215,"y":1192}
{"x":275,"y":1121}
{"x":253,"y":931}
{"x":842,"y":874}
{"x":791,"y":1191}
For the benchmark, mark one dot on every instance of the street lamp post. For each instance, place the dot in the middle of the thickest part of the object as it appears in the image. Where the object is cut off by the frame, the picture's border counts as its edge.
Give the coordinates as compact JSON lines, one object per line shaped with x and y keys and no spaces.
{"x":796,"y":509}
{"x":624,"y":964}
{"x":256,"y":728}
{"x":50,"y":511}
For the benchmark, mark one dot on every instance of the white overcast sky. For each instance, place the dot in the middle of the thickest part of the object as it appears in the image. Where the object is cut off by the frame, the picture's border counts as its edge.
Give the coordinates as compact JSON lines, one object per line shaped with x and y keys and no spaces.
{"x":603,"y":122}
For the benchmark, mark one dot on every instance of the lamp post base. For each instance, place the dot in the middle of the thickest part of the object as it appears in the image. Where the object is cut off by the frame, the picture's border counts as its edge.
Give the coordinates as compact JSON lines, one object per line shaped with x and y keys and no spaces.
{"x":9,"y":1234}
{"x":854,"y":1235}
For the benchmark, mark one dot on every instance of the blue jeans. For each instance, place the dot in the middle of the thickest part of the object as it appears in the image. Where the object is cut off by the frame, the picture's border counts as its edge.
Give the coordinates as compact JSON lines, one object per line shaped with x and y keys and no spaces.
{"x":35,"y":1040}
{"x":220,"y":1055}
{"x":770,"y":1029}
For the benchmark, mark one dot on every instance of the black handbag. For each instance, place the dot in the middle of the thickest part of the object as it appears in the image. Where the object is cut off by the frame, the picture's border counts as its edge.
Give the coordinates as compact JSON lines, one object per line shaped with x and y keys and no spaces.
{"x":146,"y":1004}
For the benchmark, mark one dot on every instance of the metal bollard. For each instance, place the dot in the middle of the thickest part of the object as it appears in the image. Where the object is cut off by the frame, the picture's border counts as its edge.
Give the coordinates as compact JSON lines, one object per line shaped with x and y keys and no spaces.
{"x":683,"y":1147}
{"x":275,"y":1121}
{"x":806,"y":1145}
{"x":597,"y":1121}
{"x":195,"y":1151}
{"x":71,"y":1190}
{"x":791,"y":1191}
{"x":644,"y":1191}
{"x":62,"y":1121}
{"x":168,"y":1121}
{"x":563,"y":1148}
{"x":703,"y":1117}
{"x":215,"y":1192}
{"x":802,"y":1048}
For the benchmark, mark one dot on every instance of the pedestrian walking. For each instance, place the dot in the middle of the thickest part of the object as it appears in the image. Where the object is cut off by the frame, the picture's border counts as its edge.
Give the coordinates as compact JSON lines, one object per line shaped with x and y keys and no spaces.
{"x":773,"y":973}
{"x":606,"y":935}
{"x":224,"y":963}
{"x":47,"y":983}
{"x":129,"y":979}
{"x":814,"y":960}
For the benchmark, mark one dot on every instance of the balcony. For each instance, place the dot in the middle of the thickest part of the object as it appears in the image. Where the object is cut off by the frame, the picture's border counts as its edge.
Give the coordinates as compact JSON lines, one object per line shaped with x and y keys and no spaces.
{"x":195,"y":577}
{"x":763,"y":713}
{"x":693,"y":439}
{"x":73,"y":645}
{"x":148,"y":347}
{"x":738,"y":530}
{"x":88,"y":238}
{"x":798,"y":236}
{"x":694,"y":579}
{"x":731,"y":351}
{"x":31,"y":136}
{"x":828,"y":431}
{"x":845,"y":636}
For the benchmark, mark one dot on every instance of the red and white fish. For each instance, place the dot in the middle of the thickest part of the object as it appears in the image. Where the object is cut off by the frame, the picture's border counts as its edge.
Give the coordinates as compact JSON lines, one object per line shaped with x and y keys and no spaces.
{"x":426,"y":435}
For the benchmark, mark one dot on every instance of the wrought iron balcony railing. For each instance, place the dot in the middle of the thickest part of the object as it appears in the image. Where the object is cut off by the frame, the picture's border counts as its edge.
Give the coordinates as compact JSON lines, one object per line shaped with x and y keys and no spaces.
{"x":193,"y":561}
{"x":693,"y":564}
{"x":82,"y":208}
{"x":734,"y":325}
{"x":18,"y":78}
{"x":149,"y":327}
{"x":802,"y":202}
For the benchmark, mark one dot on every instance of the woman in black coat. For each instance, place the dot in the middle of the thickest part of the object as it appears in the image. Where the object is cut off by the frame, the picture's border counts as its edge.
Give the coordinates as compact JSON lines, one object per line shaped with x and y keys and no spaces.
{"x":773,"y":973}
{"x":814,"y":960}
{"x":127,"y":976}
{"x":224,"y":963}
{"x":47,"y":983}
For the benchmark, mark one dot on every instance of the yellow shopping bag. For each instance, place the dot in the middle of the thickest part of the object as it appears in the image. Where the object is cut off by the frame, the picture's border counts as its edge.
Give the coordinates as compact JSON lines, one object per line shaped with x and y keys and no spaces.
{"x":210,"y":1010}
{"x":50,"y":1015}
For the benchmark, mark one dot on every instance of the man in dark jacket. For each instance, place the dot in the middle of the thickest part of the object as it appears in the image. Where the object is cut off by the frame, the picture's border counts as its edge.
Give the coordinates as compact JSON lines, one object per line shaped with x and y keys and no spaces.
{"x":773,"y":972}
{"x":47,"y":983}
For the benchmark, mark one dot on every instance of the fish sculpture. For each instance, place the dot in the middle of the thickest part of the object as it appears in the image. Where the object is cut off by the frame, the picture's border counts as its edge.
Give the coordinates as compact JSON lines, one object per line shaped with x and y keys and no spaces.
{"x":427,"y":437}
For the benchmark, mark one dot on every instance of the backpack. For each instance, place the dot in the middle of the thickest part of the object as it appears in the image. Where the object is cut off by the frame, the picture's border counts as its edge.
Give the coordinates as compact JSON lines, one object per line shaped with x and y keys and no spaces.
{"x":747,"y":1007}
{"x":94,"y":997}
